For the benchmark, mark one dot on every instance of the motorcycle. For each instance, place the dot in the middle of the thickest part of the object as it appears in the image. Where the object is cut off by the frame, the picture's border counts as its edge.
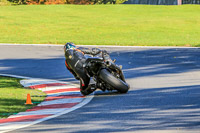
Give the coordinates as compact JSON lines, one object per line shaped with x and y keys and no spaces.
{"x":107,"y":75}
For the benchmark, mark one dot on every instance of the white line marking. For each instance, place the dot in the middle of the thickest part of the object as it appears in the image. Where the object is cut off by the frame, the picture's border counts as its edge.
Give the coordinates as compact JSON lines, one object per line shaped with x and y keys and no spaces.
{"x":15,"y":76}
{"x":45,"y":45}
{"x":32,"y":82}
{"x":37,"y":80}
{"x":55,"y":88}
{"x":61,"y":101}
{"x":63,"y":93}
{"x":5,"y":127}
{"x":108,"y":46}
{"x":41,"y":112}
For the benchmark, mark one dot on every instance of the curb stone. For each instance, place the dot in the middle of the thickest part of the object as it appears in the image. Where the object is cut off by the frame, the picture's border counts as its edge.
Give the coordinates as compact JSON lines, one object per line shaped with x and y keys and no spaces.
{"x":62,"y":98}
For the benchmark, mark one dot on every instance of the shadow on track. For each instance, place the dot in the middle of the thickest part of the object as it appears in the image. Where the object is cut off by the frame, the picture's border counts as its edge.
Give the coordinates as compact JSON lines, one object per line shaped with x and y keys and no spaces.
{"x":157,"y":61}
{"x":53,"y":68}
{"x":135,"y":64}
{"x":174,"y":108}
{"x":145,"y":109}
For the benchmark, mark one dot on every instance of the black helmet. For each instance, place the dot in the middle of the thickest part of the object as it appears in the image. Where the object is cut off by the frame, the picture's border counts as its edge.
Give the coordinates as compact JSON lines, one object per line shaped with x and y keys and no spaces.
{"x":69,"y":45}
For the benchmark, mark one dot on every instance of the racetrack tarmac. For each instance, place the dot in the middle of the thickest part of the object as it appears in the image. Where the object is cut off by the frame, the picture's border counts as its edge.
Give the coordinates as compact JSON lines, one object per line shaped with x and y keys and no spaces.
{"x":164,"y":94}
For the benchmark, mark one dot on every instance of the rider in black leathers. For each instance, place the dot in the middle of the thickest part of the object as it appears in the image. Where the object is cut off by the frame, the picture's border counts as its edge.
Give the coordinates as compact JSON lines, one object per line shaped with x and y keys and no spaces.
{"x":74,"y":60}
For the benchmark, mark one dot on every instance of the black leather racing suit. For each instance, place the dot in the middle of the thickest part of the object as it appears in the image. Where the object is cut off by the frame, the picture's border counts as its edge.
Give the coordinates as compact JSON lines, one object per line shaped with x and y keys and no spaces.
{"x":74,"y":60}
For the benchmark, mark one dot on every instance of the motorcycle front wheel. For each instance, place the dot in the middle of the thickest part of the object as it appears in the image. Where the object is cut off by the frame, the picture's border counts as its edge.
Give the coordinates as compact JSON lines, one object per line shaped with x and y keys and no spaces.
{"x":114,"y":82}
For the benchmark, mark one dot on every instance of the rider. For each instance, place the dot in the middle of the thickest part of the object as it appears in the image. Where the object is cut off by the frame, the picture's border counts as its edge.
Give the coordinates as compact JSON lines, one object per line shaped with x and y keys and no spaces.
{"x":74,"y":60}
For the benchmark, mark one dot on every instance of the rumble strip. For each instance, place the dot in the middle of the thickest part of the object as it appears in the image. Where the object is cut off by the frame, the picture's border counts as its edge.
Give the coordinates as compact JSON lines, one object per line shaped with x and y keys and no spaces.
{"x":62,"y":98}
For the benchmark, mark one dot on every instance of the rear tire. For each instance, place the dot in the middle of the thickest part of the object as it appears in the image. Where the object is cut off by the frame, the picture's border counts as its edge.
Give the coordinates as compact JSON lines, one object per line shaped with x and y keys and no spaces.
{"x":114,"y":82}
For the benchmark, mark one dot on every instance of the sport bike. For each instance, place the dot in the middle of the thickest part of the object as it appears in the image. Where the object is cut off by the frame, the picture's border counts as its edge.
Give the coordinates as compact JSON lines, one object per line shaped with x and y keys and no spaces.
{"x":107,"y":75}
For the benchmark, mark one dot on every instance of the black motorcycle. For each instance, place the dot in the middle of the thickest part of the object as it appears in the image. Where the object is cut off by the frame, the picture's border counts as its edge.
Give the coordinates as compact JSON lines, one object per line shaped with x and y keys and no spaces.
{"x":107,"y":75}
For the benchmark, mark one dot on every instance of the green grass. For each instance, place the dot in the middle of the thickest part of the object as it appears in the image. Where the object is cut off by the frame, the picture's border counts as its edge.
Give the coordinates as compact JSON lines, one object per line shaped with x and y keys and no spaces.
{"x":101,"y":24}
{"x":13,"y":97}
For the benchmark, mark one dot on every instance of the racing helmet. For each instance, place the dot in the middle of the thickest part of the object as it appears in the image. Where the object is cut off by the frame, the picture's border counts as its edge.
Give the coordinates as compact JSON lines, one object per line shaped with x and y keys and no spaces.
{"x":69,"y":45}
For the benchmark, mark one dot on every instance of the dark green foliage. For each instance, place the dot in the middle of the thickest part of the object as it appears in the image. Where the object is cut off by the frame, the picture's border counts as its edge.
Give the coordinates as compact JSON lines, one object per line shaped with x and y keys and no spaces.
{"x":18,"y":1}
{"x":78,"y":2}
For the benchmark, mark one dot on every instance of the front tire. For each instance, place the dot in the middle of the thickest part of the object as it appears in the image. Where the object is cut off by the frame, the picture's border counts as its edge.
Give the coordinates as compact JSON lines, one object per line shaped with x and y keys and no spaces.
{"x":114,"y":82}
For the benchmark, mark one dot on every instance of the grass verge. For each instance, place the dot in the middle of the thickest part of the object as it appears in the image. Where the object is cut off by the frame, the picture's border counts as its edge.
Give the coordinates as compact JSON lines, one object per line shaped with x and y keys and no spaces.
{"x":13,"y":97}
{"x":146,"y":25}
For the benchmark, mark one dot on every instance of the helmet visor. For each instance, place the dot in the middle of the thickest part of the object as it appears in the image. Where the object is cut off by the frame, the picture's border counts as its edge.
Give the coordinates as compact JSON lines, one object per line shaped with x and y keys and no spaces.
{"x":70,"y":46}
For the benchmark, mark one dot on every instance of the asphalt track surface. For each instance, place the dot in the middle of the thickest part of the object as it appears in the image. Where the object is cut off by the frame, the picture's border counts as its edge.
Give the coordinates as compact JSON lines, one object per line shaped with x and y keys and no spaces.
{"x":164,"y":94}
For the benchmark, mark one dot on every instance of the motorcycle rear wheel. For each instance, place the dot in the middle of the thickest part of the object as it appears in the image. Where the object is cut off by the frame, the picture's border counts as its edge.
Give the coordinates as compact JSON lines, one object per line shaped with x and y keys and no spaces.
{"x":114,"y":82}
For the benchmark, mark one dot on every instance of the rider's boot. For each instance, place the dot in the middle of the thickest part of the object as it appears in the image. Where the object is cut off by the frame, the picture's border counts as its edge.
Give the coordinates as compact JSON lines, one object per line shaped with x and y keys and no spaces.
{"x":88,"y":90}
